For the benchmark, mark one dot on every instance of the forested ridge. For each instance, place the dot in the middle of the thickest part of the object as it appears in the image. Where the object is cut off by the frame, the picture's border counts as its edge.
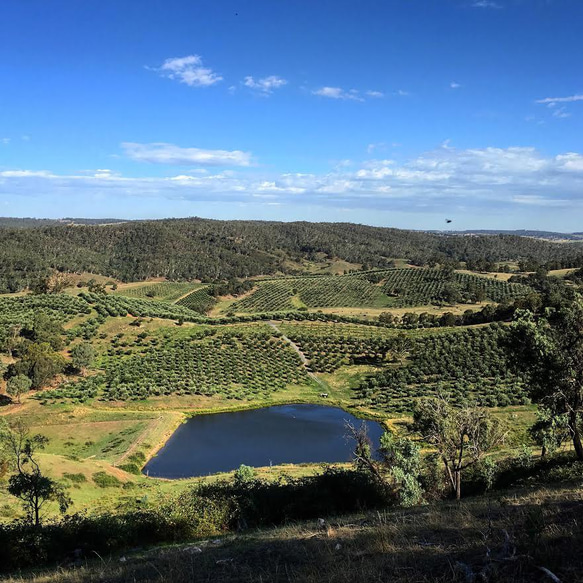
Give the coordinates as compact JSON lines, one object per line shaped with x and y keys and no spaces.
{"x":209,"y":249}
{"x":29,"y":222}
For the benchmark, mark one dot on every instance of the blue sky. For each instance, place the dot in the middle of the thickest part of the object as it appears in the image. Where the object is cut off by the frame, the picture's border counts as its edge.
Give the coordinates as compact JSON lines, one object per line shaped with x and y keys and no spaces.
{"x":388,"y":112}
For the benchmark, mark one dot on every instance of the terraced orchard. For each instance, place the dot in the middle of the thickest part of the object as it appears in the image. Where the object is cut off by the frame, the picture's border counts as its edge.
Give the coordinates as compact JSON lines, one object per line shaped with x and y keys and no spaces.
{"x":235,"y":364}
{"x":313,"y":292}
{"x":329,"y":346}
{"x":417,"y":287}
{"x":463,"y":365}
{"x":199,"y":301}
{"x":165,"y":291}
{"x":377,"y":289}
{"x":109,"y":305}
{"x":22,"y":309}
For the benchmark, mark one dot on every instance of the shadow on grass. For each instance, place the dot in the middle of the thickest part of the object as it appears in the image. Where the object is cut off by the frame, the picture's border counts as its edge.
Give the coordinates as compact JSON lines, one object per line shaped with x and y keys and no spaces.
{"x":5,"y":400}
{"x":493,"y":541}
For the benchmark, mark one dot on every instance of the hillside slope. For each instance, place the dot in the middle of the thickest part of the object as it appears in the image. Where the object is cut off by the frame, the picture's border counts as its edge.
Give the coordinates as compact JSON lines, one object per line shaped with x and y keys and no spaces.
{"x":208,"y":249}
{"x":518,"y":537}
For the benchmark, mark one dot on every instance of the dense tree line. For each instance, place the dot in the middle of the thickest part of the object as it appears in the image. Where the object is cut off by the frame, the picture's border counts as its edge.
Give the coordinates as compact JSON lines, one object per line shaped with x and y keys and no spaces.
{"x":28,"y":222}
{"x":212,"y":250}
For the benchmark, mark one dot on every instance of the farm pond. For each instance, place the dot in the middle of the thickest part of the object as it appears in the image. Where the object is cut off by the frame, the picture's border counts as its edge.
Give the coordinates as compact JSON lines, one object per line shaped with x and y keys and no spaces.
{"x":221,"y":442}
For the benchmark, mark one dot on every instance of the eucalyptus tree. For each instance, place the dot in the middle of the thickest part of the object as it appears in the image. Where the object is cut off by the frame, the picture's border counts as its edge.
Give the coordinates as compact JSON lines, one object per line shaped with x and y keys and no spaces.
{"x":27,"y":482}
{"x":549,"y":349}
{"x":461,"y":435}
{"x":396,"y":465}
{"x":18,"y":385}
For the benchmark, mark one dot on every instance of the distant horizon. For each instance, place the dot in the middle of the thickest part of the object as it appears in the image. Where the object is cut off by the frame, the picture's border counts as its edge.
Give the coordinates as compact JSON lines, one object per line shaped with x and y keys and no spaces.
{"x":115,"y":220}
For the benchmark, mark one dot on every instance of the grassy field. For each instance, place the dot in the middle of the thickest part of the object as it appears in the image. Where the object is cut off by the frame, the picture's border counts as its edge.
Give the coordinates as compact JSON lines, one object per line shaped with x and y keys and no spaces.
{"x":373,"y":313}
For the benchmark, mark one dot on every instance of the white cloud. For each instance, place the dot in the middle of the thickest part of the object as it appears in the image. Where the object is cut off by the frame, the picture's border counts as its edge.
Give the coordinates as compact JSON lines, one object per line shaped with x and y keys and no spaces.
{"x":5,"y":141}
{"x":561,"y":112}
{"x":401,"y":93}
{"x":26,"y":174}
{"x":275,"y":187}
{"x":189,"y":70}
{"x":454,"y":85}
{"x":570,"y":161}
{"x":338,"y":93}
{"x":537,"y":200}
{"x":161,"y":153}
{"x":375,"y":94}
{"x":552,"y":101}
{"x":485,"y":180}
{"x":485,"y":4}
{"x":266,"y":85}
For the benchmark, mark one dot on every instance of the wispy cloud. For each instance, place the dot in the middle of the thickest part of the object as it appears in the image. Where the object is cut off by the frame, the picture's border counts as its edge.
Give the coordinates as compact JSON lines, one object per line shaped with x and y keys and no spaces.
{"x":485,"y":4}
{"x":381,"y":147}
{"x":5,"y":141}
{"x":190,"y":71}
{"x":266,"y":85}
{"x":557,"y":104}
{"x":561,"y":113}
{"x":348,"y":94}
{"x":552,"y":101}
{"x":454,"y":85}
{"x":162,"y":153}
{"x":338,"y":93}
{"x":27,"y":174}
{"x":375,"y":146}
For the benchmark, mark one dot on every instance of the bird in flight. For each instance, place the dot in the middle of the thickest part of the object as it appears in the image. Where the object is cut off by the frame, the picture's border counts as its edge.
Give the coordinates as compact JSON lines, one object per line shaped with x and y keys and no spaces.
{"x":448,"y":221}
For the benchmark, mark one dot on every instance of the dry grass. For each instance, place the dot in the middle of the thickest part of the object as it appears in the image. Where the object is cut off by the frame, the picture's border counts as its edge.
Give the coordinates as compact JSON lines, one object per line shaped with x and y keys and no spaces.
{"x":499,"y":275}
{"x":507,"y":539}
{"x":374,"y":313}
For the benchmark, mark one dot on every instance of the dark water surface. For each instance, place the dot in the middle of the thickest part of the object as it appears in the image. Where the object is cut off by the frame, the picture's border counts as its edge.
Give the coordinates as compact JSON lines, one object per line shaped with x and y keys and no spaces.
{"x":221,"y":442}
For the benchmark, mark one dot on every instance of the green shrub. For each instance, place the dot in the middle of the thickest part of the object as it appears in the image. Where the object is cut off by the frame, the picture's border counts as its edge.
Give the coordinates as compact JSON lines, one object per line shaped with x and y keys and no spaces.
{"x":75,"y":478}
{"x":131,"y":468}
{"x":104,"y":480}
{"x":244,"y":474}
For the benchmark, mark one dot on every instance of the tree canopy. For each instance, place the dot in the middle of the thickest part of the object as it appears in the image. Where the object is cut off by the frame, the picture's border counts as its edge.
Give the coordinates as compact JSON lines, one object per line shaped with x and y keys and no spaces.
{"x":549,"y":348}
{"x":218,"y":250}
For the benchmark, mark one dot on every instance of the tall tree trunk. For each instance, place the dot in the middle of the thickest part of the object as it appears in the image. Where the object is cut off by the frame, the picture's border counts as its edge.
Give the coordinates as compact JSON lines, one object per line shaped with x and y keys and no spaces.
{"x":574,"y":427}
{"x":449,"y":475}
{"x":458,"y":484}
